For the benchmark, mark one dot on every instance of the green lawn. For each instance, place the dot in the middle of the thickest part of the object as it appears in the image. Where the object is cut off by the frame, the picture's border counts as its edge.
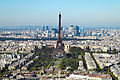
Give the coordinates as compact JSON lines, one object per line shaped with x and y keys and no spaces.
{"x":57,"y":63}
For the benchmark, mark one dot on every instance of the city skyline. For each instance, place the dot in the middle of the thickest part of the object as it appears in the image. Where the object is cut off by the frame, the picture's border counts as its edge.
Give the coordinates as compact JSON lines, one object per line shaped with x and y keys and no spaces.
{"x":44,"y":49}
{"x":78,"y":12}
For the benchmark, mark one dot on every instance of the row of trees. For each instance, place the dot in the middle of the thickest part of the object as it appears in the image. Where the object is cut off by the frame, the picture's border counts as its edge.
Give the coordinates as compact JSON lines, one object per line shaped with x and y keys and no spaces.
{"x":71,"y":59}
{"x":44,"y":58}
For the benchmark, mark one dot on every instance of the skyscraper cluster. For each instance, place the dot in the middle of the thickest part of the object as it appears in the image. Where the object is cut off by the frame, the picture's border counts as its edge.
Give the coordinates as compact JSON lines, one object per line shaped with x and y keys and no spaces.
{"x":71,"y":31}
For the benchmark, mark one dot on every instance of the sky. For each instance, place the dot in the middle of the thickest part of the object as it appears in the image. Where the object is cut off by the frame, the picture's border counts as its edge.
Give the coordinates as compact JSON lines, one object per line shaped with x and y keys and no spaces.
{"x":45,"y":12}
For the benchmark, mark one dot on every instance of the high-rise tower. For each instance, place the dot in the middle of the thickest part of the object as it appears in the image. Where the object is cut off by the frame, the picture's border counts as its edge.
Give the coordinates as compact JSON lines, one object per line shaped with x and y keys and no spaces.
{"x":59,"y":51}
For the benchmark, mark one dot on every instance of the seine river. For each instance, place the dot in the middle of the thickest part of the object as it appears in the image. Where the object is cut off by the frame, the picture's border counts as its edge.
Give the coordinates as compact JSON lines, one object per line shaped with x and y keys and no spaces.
{"x":25,"y":39}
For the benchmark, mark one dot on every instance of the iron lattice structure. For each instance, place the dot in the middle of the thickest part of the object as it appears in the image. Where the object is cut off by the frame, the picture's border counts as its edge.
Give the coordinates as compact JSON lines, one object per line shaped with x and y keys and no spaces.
{"x":59,"y":45}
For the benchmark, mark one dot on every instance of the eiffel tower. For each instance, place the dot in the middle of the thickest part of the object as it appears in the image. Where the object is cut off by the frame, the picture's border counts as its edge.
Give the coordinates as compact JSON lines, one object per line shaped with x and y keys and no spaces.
{"x":59,"y":51}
